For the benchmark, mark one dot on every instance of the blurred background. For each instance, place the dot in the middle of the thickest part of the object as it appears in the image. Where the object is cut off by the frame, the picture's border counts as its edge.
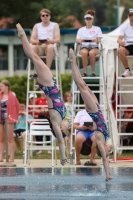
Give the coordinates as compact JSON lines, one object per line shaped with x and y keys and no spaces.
{"x":70,"y":16}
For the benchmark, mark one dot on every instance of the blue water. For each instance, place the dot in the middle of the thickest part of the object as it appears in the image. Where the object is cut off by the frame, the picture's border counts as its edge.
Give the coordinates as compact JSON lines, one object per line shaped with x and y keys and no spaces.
{"x":65,"y":183}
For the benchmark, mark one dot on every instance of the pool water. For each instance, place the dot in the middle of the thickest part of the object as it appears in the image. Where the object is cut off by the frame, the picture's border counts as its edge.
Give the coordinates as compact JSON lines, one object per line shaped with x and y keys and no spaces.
{"x":65,"y":183}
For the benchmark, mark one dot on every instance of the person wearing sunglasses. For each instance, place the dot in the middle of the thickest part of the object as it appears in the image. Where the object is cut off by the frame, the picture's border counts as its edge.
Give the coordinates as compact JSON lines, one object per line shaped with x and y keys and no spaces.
{"x":125,"y":40}
{"x":89,"y":36}
{"x":44,"y":35}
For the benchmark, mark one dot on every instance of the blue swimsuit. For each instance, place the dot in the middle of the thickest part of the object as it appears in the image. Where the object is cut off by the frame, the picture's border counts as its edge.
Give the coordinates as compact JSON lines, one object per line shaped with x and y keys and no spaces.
{"x":98,"y":118}
{"x":53,"y":93}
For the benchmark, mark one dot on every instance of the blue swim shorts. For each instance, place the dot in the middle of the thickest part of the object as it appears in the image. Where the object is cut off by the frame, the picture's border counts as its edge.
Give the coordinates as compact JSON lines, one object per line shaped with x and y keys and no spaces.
{"x":88,"y":134}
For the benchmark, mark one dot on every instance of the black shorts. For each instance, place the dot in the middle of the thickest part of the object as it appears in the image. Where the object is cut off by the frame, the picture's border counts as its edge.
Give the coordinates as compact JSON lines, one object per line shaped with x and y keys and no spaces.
{"x":130,"y":49}
{"x":86,"y":148}
{"x":19,"y":132}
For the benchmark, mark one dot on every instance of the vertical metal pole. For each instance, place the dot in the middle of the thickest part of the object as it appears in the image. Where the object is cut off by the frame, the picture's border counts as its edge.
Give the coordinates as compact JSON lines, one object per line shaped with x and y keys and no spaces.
{"x":118,"y":13}
{"x":6,"y":131}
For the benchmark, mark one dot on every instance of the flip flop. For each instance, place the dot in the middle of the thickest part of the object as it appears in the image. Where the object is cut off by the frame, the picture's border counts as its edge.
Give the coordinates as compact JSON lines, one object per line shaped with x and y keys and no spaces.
{"x":84,"y":75}
{"x":87,"y":163}
{"x":90,"y":164}
{"x":93,"y":75}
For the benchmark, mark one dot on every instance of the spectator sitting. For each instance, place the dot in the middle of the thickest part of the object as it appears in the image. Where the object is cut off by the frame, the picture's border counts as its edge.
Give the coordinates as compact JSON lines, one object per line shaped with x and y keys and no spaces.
{"x":89,"y":36}
{"x":20,"y":127}
{"x":125,"y":41}
{"x":44,"y":35}
{"x":84,"y":133}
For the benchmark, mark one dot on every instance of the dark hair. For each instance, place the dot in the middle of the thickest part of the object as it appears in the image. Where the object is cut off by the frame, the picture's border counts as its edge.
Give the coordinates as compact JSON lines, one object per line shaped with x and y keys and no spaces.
{"x":91,"y":12}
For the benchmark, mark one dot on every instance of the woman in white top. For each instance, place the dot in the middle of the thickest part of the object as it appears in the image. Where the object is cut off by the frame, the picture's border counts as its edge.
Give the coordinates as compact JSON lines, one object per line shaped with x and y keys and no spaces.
{"x":89,"y":36}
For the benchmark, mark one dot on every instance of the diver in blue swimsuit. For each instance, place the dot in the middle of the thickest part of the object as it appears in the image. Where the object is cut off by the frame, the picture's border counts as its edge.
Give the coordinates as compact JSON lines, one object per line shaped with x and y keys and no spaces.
{"x":53,"y":93}
{"x":45,"y":79}
{"x":92,"y":107}
{"x":98,"y":118}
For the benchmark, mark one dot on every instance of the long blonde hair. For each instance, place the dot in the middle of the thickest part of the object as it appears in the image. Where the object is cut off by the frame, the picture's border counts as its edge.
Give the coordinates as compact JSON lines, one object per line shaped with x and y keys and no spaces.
{"x":66,"y":95}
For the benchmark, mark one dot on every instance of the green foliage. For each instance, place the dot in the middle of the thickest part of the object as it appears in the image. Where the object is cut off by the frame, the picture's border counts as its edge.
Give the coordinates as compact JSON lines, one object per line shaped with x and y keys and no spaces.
{"x":26,"y":12}
{"x":19,"y":85}
{"x":66,"y":82}
{"x":110,"y":14}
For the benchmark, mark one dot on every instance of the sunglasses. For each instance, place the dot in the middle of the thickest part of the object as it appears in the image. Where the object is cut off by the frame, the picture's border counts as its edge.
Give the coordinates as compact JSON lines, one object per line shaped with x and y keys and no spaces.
{"x":130,"y":15}
{"x":88,"y":18}
{"x":45,"y":15}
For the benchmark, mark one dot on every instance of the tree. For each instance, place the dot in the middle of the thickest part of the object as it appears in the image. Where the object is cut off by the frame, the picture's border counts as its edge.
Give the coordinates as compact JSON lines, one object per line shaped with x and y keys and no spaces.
{"x":26,"y":12}
{"x":110,"y":14}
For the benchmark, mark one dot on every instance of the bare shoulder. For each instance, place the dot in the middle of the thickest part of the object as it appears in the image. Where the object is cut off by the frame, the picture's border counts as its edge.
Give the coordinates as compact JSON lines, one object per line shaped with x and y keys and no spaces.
{"x":56,"y":26}
{"x":34,"y":27}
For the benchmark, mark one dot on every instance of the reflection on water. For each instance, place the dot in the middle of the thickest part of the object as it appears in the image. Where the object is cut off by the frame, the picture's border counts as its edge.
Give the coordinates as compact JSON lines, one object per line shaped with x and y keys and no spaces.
{"x":63,"y":183}
{"x":12,"y":189}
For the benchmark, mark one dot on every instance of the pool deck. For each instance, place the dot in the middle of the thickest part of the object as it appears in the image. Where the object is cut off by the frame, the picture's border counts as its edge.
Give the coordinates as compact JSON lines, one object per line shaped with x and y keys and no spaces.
{"x":48,"y":163}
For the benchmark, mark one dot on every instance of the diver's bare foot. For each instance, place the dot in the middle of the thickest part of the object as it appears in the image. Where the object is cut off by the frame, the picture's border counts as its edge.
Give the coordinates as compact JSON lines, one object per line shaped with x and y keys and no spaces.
{"x":72,"y":56}
{"x":20,"y":30}
{"x":109,"y":178}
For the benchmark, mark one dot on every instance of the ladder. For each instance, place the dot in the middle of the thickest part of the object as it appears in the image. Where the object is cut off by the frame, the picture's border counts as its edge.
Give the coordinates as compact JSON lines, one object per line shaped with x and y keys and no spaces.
{"x":124,"y":88}
{"x":33,"y":90}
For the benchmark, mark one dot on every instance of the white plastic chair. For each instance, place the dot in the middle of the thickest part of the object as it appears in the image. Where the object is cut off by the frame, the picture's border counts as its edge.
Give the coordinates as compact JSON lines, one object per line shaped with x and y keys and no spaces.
{"x":77,"y":50}
{"x":38,"y":128}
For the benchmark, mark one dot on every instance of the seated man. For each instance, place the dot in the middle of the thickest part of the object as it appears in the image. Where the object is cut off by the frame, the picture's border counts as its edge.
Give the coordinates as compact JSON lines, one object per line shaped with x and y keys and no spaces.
{"x":84,"y":133}
{"x":125,"y":41}
{"x":44,"y":35}
{"x":20,"y":127}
